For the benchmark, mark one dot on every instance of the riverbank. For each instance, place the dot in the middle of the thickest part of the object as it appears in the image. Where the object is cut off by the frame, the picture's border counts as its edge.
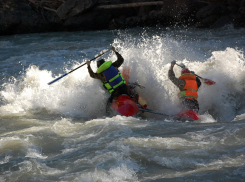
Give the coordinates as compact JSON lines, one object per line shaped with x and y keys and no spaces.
{"x":33,"y":16}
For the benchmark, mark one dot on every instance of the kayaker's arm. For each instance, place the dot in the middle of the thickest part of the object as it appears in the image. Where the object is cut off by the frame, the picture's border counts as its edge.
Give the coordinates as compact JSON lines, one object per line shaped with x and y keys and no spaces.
{"x":178,"y":82}
{"x":199,"y":83}
{"x":92,"y":74}
{"x":119,"y":60}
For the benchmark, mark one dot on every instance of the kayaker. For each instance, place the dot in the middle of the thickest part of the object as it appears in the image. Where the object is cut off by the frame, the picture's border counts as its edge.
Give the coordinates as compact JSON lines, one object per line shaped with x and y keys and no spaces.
{"x":110,"y":76}
{"x":188,"y":84}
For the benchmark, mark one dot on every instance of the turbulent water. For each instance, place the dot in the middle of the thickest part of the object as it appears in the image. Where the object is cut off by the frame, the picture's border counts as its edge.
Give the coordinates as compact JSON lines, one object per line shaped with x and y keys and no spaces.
{"x":60,"y":132}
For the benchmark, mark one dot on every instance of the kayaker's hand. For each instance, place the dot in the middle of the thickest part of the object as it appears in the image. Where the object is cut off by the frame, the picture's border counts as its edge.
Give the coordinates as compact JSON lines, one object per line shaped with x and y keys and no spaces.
{"x":113,"y":49}
{"x":192,"y":72}
{"x":173,"y":63}
{"x":88,"y":63}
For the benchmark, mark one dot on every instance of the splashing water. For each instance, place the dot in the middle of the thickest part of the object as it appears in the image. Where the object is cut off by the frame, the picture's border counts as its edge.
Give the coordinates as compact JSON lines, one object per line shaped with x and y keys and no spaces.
{"x":148,"y":57}
{"x":59,"y":132}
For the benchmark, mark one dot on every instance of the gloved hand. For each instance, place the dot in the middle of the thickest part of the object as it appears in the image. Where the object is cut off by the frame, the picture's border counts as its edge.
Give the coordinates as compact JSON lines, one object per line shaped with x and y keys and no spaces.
{"x":173,"y":63}
{"x":113,"y":49}
{"x":192,"y":72}
{"x":88,"y":63}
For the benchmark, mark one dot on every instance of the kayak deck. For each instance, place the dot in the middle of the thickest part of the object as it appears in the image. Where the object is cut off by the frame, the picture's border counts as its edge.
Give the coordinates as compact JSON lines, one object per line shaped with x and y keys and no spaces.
{"x":125,"y":106}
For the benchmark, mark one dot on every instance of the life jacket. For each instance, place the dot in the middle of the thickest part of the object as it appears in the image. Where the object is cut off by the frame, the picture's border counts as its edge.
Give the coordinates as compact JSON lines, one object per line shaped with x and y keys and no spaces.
{"x":191,"y":88}
{"x":113,"y":77}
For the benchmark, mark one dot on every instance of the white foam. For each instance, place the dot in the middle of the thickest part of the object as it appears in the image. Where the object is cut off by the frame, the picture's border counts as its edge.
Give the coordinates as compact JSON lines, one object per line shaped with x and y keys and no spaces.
{"x":115,"y":174}
{"x":35,"y":153}
{"x":206,"y":118}
{"x":148,"y":57}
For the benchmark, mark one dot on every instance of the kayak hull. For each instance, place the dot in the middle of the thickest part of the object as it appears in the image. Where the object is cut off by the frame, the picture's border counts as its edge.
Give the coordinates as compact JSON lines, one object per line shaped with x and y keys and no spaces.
{"x":125,"y":106}
{"x":188,"y":114}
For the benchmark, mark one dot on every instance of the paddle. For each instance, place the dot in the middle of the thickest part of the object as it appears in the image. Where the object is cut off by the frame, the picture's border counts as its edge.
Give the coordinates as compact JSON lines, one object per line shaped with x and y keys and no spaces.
{"x":205,"y":80}
{"x":151,"y":111}
{"x":76,"y":68}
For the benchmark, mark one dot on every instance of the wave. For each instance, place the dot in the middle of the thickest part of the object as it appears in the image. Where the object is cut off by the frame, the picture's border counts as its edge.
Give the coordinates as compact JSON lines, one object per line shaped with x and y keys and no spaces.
{"x":148,"y":57}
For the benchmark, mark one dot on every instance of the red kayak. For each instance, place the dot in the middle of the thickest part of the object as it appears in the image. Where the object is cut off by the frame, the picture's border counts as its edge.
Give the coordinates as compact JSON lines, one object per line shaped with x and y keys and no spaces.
{"x":125,"y":106}
{"x":189,"y":114}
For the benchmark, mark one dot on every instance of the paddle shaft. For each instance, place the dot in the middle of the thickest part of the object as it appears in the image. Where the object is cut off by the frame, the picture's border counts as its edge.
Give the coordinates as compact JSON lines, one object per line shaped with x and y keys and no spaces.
{"x":76,"y":68}
{"x":150,"y":111}
{"x":192,"y":73}
{"x":89,"y":60}
{"x":205,"y":80}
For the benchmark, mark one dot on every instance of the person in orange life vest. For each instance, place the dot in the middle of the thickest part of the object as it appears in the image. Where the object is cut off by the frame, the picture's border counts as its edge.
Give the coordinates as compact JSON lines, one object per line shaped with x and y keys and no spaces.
{"x":110,"y":76}
{"x":188,"y":85}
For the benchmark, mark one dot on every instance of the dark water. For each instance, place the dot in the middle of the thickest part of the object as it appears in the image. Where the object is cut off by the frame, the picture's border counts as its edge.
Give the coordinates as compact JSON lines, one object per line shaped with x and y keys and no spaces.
{"x":60,"y":132}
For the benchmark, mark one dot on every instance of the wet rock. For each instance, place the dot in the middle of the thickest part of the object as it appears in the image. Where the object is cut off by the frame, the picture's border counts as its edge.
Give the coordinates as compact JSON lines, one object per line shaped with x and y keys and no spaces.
{"x":132,"y":21}
{"x":232,"y":9}
{"x":224,"y":20}
{"x":144,"y":10}
{"x":242,"y":10}
{"x":88,"y":21}
{"x":208,"y":15}
{"x":28,"y":16}
{"x":207,"y":21}
{"x":18,"y":16}
{"x":213,"y":9}
{"x":155,"y":17}
{"x":233,"y":2}
{"x":242,"y":3}
{"x":74,"y":7}
{"x":175,"y":8}
{"x":116,"y":23}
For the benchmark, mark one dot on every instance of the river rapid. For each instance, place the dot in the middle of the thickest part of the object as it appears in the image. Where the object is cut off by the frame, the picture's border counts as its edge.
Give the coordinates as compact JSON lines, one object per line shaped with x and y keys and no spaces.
{"x":60,"y":132}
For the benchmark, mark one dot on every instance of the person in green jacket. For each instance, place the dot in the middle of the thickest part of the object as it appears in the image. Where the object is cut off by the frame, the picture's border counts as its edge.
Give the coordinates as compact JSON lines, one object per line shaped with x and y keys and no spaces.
{"x":110,"y":76}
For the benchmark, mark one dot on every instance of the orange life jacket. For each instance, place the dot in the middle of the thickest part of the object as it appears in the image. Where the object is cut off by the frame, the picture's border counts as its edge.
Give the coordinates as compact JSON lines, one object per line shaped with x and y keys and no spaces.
{"x":191,"y":88}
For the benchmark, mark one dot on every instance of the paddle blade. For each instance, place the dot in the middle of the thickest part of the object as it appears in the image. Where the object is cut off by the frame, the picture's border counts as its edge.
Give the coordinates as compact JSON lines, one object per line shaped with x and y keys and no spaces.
{"x":208,"y":82}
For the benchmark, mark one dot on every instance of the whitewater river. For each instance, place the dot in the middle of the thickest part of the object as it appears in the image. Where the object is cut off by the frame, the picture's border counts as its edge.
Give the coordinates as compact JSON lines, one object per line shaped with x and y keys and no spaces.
{"x":60,"y":132}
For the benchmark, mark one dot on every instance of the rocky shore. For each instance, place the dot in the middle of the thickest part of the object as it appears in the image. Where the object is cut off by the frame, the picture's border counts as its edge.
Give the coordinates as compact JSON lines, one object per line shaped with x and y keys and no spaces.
{"x":36,"y":16}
